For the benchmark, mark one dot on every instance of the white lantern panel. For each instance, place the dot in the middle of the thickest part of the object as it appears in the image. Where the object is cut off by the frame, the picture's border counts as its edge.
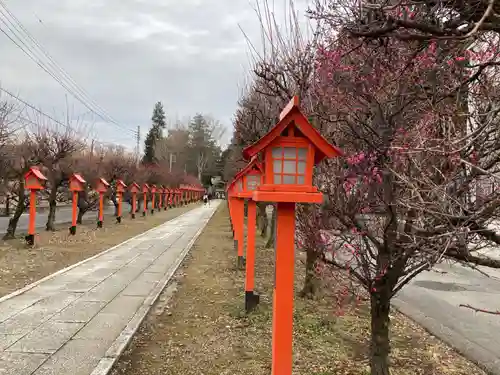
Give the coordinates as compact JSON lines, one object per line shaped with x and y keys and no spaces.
{"x":277,"y":179}
{"x":277,"y":153}
{"x":289,"y":166}
{"x":290,"y":153}
{"x":302,"y":153}
{"x":288,"y":180}
{"x":301,"y":168}
{"x":301,"y":180}
{"x":277,"y":165}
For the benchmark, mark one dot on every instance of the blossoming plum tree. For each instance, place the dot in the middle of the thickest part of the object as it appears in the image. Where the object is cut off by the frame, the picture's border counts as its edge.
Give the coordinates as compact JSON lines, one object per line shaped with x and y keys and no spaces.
{"x":419,"y":129}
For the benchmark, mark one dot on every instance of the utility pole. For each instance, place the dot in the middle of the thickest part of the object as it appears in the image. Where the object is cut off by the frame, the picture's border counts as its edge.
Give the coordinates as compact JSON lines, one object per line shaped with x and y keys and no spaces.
{"x":172,"y":159}
{"x":138,"y":145}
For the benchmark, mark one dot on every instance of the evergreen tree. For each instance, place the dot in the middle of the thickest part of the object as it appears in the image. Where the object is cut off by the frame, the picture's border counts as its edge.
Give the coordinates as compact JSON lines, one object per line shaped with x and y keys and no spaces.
{"x":154,"y":134}
{"x":202,"y":146}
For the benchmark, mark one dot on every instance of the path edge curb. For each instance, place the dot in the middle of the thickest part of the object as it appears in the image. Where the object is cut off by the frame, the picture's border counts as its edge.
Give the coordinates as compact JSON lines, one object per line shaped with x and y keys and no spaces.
{"x":118,"y":346}
{"x":63,"y":270}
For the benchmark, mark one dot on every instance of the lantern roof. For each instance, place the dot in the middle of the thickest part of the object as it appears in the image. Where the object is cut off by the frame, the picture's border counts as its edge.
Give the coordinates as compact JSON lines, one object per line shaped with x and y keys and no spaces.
{"x":103,"y":181}
{"x":120,"y":182}
{"x":78,"y":177}
{"x":36,"y":172}
{"x":293,"y":116}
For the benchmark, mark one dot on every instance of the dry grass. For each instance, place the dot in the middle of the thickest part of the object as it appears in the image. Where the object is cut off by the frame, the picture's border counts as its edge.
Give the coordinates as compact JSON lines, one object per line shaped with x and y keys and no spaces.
{"x":202,"y":330}
{"x":20,"y":266}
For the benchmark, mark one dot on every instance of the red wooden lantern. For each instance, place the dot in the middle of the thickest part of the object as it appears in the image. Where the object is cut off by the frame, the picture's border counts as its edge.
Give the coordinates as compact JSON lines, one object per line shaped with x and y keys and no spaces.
{"x":145,"y":191}
{"x":76,"y":184}
{"x":248,"y":180}
{"x":33,"y":180}
{"x":120,"y":189}
{"x":290,"y":149}
{"x":237,"y":213}
{"x":153,"y":196}
{"x":162,"y":202}
{"x":101,"y":187}
{"x":134,"y":189}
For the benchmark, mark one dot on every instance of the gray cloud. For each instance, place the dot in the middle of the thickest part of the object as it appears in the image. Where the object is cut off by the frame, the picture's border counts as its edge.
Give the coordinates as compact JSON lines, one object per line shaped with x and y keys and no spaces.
{"x":128,"y":54}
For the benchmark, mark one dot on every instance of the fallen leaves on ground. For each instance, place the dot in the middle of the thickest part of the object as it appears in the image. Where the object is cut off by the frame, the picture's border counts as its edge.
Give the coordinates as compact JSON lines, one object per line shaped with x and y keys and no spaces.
{"x":202,"y":329}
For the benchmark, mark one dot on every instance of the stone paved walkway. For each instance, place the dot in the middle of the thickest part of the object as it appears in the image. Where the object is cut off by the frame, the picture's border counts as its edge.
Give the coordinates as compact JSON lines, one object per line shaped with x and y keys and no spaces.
{"x":79,"y":320}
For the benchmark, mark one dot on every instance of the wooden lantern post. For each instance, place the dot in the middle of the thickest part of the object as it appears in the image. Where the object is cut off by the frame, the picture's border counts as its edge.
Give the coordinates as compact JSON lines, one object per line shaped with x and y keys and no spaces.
{"x":101,"y":188}
{"x":153,"y":195}
{"x":165,"y":198}
{"x":145,"y":190}
{"x":290,"y":150}
{"x":168,"y":198}
{"x":177,"y":197}
{"x":230,"y":208}
{"x":237,"y":213}
{"x":76,"y":184}
{"x":160,"y":197}
{"x":181,"y":195}
{"x":34,"y":180}
{"x":120,"y":189}
{"x":134,"y":189}
{"x":251,"y":176}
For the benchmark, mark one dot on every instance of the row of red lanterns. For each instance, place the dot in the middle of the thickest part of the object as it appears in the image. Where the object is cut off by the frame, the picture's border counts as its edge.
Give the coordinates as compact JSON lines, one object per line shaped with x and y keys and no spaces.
{"x":280,"y":171}
{"x":35,"y":181}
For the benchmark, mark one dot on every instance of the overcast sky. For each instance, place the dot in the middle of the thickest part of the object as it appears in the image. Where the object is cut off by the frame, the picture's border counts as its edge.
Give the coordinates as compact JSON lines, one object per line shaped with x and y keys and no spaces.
{"x":128,"y":54}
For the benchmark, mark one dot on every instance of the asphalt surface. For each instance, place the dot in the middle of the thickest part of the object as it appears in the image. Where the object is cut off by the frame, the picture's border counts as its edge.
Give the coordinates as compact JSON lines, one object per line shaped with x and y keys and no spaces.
{"x":63,"y":215}
{"x":437,"y":301}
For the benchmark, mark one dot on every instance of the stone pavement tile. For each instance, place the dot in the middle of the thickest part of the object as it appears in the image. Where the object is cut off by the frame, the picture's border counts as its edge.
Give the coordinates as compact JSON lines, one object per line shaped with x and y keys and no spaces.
{"x":17,"y":304}
{"x":165,"y":260}
{"x":123,"y":305}
{"x":76,"y":357}
{"x":105,"y":291}
{"x":141,"y":286}
{"x":36,"y":314}
{"x":47,"y":338}
{"x":79,"y":312}
{"x":20,"y":363}
{"x":8,"y":340}
{"x":101,"y":273}
{"x":103,"y":327}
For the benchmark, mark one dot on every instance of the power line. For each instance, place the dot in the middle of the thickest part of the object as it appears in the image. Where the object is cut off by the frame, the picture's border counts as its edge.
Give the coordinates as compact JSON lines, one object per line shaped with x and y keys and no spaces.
{"x":51,"y":59}
{"x":82,"y":96}
{"x":27,"y":104}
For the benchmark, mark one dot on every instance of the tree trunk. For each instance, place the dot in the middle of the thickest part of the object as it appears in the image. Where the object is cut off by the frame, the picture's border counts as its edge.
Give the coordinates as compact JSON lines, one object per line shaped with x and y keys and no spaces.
{"x":262,"y":219}
{"x":272,"y":234}
{"x":83,"y":206}
{"x":115,"y":202}
{"x":7,"y":206}
{"x":11,"y":229}
{"x":79,"y":217}
{"x":311,"y":282}
{"x":51,"y":219}
{"x":379,"y":309}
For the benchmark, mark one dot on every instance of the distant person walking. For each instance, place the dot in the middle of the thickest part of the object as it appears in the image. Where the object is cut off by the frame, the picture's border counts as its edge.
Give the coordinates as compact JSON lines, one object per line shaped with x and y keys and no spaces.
{"x":205,"y":199}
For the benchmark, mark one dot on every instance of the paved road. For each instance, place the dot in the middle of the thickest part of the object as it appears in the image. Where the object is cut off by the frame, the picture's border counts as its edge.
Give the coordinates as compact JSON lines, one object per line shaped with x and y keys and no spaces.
{"x":433,"y":300}
{"x":63,"y":215}
{"x":79,"y":321}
